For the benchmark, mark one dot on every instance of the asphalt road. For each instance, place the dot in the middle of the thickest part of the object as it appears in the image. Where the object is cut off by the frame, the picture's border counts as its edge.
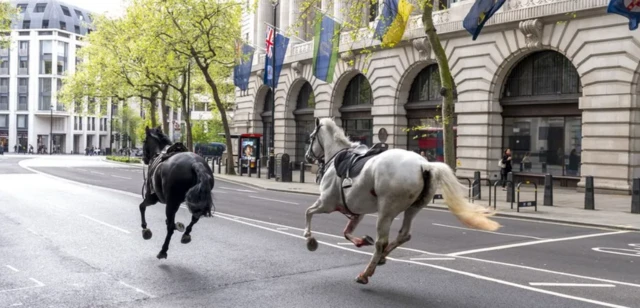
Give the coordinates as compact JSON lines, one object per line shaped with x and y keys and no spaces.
{"x":72,"y":245}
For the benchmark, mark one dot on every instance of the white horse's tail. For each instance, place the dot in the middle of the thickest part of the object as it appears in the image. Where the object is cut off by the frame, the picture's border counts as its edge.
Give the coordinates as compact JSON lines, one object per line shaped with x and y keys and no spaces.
{"x":472,"y":215}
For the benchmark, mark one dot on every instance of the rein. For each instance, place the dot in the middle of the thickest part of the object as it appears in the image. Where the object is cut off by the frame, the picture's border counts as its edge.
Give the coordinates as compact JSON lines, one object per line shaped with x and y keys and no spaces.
{"x":152,"y":163}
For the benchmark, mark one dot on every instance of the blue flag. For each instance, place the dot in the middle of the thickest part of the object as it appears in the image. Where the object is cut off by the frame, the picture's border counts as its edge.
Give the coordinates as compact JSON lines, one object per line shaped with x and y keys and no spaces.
{"x":325,"y":48}
{"x":280,"y":47}
{"x":242,"y":70}
{"x":627,"y":8}
{"x":479,"y":14}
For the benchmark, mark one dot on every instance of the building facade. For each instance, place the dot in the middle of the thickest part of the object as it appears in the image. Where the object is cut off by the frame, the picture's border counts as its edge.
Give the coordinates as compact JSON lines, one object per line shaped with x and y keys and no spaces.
{"x":556,"y":81}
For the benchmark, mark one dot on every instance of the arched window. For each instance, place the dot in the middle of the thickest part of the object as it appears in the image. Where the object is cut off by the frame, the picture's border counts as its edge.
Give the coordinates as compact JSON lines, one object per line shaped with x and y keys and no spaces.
{"x":356,"y":110}
{"x":426,"y":86}
{"x":305,"y":124}
{"x":358,"y":92}
{"x":543,"y":73}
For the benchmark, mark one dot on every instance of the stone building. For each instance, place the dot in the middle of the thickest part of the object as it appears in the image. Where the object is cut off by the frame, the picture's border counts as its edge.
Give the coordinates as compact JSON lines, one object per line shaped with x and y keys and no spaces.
{"x":554,"y":80}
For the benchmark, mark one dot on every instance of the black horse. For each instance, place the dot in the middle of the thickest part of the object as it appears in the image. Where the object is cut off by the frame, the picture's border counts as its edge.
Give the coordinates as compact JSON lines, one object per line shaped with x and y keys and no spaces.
{"x":175,"y":175}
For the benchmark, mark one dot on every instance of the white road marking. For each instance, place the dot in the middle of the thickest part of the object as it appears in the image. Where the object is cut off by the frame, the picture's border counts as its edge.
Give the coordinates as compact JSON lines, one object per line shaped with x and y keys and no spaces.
{"x":16,"y":304}
{"x":94,"y":172}
{"x":618,"y":251}
{"x":105,"y":224}
{"x":12,"y":268}
{"x":40,"y":284}
{"x":282,"y":229}
{"x":587,"y":285}
{"x":534,"y":243}
{"x":376,"y":216}
{"x":274,"y":200}
{"x":120,"y":177}
{"x":345,"y":243}
{"x":240,"y":190}
{"x":469,"y":229}
{"x":136,"y":289}
{"x":432,"y":259}
{"x":576,"y":298}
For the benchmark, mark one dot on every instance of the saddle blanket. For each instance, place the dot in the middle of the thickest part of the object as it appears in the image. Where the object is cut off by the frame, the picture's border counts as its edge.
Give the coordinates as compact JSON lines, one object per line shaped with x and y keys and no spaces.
{"x":354,"y":162}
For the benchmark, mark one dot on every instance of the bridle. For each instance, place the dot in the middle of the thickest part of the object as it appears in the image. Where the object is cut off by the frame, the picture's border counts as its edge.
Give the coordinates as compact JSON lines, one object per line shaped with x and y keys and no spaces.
{"x":313,"y":137}
{"x":152,"y":162}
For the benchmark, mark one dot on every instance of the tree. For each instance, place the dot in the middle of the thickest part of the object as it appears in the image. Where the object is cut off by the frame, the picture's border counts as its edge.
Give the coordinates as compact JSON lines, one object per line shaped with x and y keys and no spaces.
{"x":128,"y":123}
{"x":205,"y":32}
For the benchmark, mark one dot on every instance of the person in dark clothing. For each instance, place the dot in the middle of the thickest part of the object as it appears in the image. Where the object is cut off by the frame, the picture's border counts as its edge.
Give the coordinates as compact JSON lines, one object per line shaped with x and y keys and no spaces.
{"x":505,"y":167}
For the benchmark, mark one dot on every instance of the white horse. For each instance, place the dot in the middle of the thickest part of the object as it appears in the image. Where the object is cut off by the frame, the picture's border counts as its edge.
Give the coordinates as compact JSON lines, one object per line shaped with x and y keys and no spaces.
{"x":390,"y":183}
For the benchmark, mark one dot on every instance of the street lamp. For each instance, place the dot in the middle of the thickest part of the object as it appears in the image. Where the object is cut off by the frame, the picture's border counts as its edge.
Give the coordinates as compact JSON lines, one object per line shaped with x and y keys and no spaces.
{"x":111,"y":129}
{"x":272,"y":159}
{"x":51,"y":131}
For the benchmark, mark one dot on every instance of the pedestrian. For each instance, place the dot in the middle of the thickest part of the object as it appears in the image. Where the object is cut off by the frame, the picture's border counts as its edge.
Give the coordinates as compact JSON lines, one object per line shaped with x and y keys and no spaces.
{"x":505,"y":167}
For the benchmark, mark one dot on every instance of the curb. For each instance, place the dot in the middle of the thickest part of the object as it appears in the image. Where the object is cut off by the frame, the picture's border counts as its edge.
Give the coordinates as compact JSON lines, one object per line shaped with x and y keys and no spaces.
{"x":444,"y":208}
{"x":137,"y":165}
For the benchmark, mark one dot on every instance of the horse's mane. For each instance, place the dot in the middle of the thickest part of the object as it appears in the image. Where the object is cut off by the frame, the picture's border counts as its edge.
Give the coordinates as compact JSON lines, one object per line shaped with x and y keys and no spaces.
{"x":337,"y":132}
{"x":162,"y":138}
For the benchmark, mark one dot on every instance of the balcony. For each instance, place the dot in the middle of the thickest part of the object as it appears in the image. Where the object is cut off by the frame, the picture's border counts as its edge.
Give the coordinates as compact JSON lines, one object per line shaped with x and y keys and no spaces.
{"x":23,"y":71}
{"x":23,"y":52}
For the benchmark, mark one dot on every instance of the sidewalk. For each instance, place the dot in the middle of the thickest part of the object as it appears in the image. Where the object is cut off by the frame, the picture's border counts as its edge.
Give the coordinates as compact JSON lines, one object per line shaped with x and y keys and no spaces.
{"x":611,"y":211}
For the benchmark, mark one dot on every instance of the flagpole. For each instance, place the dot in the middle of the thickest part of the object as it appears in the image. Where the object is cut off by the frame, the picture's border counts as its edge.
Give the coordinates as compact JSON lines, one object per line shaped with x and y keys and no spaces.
{"x":283,"y":32}
{"x":272,"y":159}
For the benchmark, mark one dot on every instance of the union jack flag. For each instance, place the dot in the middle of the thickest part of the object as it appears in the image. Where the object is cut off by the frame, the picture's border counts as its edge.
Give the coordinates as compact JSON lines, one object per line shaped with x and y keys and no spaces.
{"x":270,"y":41}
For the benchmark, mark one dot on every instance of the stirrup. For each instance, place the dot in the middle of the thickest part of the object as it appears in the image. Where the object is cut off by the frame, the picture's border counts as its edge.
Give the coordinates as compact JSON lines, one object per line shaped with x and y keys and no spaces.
{"x":347,"y":182}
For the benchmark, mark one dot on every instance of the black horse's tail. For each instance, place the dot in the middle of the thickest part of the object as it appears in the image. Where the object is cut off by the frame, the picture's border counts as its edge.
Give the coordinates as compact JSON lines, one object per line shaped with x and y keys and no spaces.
{"x":198,"y":198}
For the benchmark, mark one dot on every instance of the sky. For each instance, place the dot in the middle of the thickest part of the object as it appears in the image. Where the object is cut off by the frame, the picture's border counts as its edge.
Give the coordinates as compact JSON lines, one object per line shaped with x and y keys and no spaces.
{"x":111,"y":7}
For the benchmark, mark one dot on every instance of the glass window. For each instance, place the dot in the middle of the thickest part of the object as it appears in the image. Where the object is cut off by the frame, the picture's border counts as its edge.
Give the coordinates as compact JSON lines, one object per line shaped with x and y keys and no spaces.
{"x":304,"y":127}
{"x":80,"y":16}
{"x":4,"y":120}
{"x":359,"y":130}
{"x":426,"y":135}
{"x":4,"y":103}
{"x":358,"y":92}
{"x":543,"y":73}
{"x":23,"y":121}
{"x":65,"y":10}
{"x":39,"y":7}
{"x":45,"y":23}
{"x":46,"y":66}
{"x":63,"y":25}
{"x":62,"y":57}
{"x":26,"y":24}
{"x":544,"y":144}
{"x":23,"y":103}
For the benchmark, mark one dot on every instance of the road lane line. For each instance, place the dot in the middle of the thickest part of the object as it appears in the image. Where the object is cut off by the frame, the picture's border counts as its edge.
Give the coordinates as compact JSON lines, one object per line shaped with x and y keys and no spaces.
{"x":376,"y":216}
{"x":469,"y":274}
{"x":240,"y":190}
{"x":40,"y":284}
{"x":282,"y":229}
{"x":431,"y":259}
{"x":534,"y":243}
{"x":105,"y":224}
{"x":556,"y":284}
{"x":94,"y":172}
{"x":12,"y":268}
{"x":121,"y":177}
{"x":136,"y":289}
{"x":469,"y":229}
{"x":274,"y":200}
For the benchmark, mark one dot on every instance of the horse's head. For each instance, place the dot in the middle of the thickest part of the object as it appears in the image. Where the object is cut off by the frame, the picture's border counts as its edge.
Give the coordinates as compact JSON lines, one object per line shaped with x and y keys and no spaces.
{"x":154,"y":142}
{"x":315,"y":151}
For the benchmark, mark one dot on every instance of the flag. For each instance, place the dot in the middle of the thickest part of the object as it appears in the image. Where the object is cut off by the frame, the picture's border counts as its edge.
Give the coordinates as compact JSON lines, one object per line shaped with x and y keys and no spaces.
{"x":627,"y":8}
{"x":479,"y":14}
{"x":242,"y":70}
{"x":325,"y":48}
{"x":393,"y":21}
{"x":278,"y":43}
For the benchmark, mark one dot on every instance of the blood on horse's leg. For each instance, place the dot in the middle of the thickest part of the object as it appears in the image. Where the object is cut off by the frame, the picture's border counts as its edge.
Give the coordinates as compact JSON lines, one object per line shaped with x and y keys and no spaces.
{"x":186,"y":237}
{"x":383,"y":226}
{"x":170,"y":210}
{"x":404,"y":235}
{"x":351,"y":226}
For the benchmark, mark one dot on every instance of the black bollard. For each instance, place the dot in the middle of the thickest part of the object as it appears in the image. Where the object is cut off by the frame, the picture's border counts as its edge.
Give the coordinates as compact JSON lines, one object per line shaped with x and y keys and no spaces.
{"x":219,"y":165}
{"x":301,"y":172}
{"x":511,"y":189}
{"x":589,"y":201}
{"x":521,"y":166}
{"x":477,"y":187}
{"x":268,"y":168}
{"x":239,"y":166}
{"x":544,"y":167}
{"x":548,"y":189}
{"x":249,"y":167}
{"x":635,"y":196}
{"x":259,"y":166}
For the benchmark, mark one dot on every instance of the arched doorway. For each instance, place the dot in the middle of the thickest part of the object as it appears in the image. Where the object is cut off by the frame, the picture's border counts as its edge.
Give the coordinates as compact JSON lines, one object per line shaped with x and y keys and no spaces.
{"x":303,"y":115}
{"x":356,"y":110}
{"x":267,"y":110}
{"x":542,"y":122}
{"x":424,"y":115}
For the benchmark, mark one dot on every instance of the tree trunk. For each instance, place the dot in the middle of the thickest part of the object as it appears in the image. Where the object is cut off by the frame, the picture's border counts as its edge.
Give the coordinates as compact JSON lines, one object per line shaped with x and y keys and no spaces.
{"x":223,"y":115}
{"x":163,"y":104}
{"x":153,"y":110}
{"x":447,"y":86}
{"x":187,"y":120}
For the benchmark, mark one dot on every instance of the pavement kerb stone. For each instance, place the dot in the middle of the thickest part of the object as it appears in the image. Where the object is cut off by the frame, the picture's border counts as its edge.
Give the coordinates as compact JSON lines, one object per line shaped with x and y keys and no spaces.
{"x":121,"y":163}
{"x":443,"y":207}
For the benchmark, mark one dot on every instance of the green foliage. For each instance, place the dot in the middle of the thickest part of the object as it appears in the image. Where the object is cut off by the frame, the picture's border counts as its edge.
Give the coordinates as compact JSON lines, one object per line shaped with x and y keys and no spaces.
{"x":8,"y":14}
{"x":127,"y":121}
{"x":125,"y":159}
{"x":205,"y":131}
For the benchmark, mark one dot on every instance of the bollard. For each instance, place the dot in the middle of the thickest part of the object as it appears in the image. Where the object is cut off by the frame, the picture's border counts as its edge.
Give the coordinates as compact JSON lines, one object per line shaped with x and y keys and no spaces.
{"x":635,"y":196}
{"x":544,"y":167}
{"x":219,"y":165}
{"x":268,"y":168}
{"x":477,"y":187}
{"x":548,"y":189}
{"x":589,"y":202}
{"x":511,"y":190}
{"x":239,"y":166}
{"x":259,"y":166}
{"x":521,"y":166}
{"x":249,"y":167}
{"x":301,"y":172}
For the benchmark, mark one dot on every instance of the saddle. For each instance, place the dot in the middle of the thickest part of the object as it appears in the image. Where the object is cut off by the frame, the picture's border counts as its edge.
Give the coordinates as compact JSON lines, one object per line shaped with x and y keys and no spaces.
{"x":166,"y":153}
{"x":349,"y":164}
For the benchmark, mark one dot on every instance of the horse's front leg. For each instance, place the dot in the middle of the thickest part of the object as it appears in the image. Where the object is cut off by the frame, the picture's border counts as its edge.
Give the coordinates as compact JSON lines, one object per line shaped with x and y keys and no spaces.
{"x":148,"y":200}
{"x":317,"y":207}
{"x":171,"y":210}
{"x":351,"y":226}
{"x":186,"y":237}
{"x":383,"y":226}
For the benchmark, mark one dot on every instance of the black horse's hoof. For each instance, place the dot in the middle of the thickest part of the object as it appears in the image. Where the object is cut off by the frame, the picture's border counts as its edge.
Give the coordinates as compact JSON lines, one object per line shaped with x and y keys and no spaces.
{"x":180,"y":227}
{"x":162,"y":255}
{"x":146,"y":234}
{"x":382,"y":261}
{"x":368,"y":240}
{"x":312,"y":244}
{"x":186,"y":239}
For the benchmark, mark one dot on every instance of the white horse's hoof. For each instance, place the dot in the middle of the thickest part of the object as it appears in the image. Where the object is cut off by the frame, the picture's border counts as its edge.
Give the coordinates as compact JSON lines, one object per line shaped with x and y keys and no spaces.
{"x":312,"y":244}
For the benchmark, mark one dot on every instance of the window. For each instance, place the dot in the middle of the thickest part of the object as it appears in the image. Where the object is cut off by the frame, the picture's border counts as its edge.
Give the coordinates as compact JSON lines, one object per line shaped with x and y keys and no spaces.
{"x":23,"y":85}
{"x":24,"y":45}
{"x":426,"y":86}
{"x":45,"y":23}
{"x":358,"y":92}
{"x":4,"y":121}
{"x":359,"y":130}
{"x":79,"y":14}
{"x":40,"y":8}
{"x":63,"y":49}
{"x":373,"y":11}
{"x":23,"y":121}
{"x":428,"y":137}
{"x":23,"y":103}
{"x":26,"y":24}
{"x":543,"y":73}
{"x":45,"y":94}
{"x":46,"y":65}
{"x":76,"y":28}
{"x":4,"y":103}
{"x":63,"y":25}
{"x":22,"y":7}
{"x":65,"y":11}
{"x":4,"y":85}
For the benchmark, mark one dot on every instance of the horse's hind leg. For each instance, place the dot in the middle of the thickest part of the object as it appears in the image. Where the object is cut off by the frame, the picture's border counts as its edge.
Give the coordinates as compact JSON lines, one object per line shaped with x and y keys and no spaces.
{"x":186,"y":237}
{"x":384,"y":225}
{"x":351,"y":226}
{"x":170,"y":210}
{"x":148,"y":200}
{"x":404,"y":235}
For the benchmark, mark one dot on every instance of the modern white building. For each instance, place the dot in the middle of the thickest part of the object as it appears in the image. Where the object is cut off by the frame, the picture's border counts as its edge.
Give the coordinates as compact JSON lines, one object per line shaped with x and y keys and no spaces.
{"x":556,"y":81}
